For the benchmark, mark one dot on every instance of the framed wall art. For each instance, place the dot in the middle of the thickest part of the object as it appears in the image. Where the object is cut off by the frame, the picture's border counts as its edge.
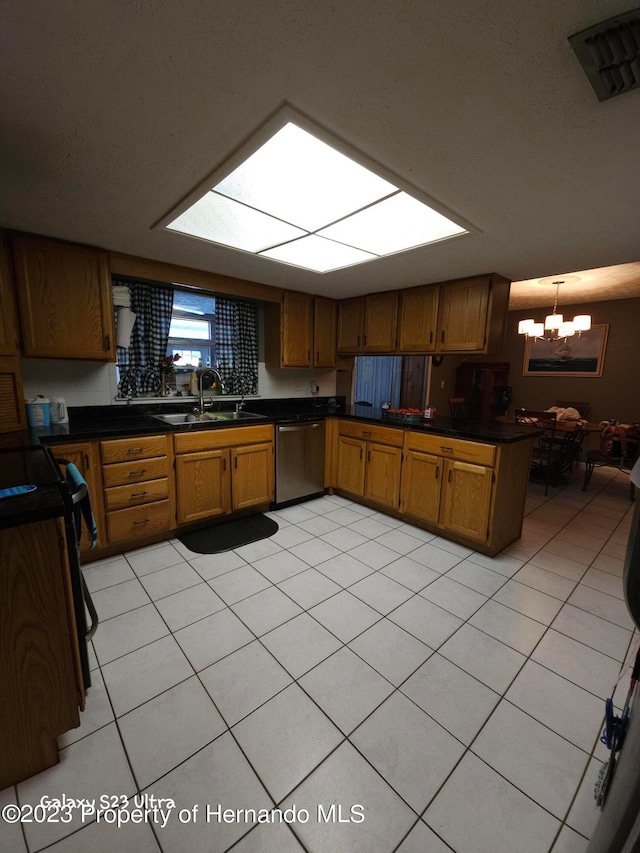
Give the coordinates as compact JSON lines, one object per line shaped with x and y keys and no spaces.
{"x":575,"y":356}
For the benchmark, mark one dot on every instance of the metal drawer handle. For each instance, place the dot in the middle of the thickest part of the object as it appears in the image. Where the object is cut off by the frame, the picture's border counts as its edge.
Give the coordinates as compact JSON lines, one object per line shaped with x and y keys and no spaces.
{"x":366,"y":432}
{"x":138,"y":494}
{"x":135,"y":450}
{"x":137,"y":473}
{"x":437,"y":471}
{"x":136,"y":523}
{"x":446,"y":449}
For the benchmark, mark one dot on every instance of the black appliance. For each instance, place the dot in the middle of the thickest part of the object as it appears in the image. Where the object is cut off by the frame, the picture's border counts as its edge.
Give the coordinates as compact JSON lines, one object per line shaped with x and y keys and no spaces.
{"x":618,"y":828}
{"x":52,"y":498}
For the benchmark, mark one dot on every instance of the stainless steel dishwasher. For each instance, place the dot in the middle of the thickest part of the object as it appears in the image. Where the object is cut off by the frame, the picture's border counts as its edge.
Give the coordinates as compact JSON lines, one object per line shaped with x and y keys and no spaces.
{"x":299,"y":460}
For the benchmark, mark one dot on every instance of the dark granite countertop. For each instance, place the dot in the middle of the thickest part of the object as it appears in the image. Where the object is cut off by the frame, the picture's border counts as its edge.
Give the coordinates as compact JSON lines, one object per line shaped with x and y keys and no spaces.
{"x":493,"y":433}
{"x":29,"y":466}
{"x":96,"y":422}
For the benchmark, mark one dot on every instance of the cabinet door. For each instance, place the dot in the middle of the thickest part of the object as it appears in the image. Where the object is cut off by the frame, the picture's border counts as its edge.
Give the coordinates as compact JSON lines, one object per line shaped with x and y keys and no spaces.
{"x":467,"y":499}
{"x":324,"y":332}
{"x":350,"y":325}
{"x":203,"y":485}
{"x":252,"y":475}
{"x":297,"y":329}
{"x":418,"y":319}
{"x":8,"y":325}
{"x":463,"y":315}
{"x":382,"y":483}
{"x":12,"y":414}
{"x":65,"y":300}
{"x":380,"y":322}
{"x":421,"y":485}
{"x":81,"y":455}
{"x":350,"y":464}
{"x":39,"y":679}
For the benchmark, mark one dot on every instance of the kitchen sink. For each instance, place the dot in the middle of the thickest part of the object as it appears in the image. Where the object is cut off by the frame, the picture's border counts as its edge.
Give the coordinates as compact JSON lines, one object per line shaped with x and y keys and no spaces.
{"x":193,"y":418}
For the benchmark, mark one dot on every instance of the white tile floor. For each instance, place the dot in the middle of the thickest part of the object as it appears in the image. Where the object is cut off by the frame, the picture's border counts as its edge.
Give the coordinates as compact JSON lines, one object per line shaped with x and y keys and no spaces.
{"x":353,"y":660}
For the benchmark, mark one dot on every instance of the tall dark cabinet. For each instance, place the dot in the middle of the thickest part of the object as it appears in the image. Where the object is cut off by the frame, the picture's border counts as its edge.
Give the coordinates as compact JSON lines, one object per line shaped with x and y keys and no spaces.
{"x":485,"y":388}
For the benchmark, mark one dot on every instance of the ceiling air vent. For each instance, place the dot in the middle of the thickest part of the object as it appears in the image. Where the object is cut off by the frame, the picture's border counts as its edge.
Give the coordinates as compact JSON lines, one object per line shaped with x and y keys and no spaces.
{"x":610,"y":54}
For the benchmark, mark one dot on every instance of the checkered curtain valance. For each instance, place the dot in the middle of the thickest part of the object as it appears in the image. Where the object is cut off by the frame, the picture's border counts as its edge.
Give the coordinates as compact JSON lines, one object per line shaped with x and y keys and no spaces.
{"x":237,"y":344}
{"x":139,"y":365}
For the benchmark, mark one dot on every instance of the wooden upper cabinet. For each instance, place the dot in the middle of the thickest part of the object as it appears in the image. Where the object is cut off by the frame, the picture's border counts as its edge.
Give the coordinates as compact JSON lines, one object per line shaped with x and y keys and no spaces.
{"x":289,"y":331}
{"x":350,"y":325}
{"x":463,"y":315}
{"x":368,"y":324}
{"x":380,"y":322}
{"x":324,"y":332}
{"x":8,"y":322}
{"x":418,"y":319}
{"x":297,"y":329}
{"x":65,"y":299}
{"x":12,"y":412}
{"x":473,"y":314}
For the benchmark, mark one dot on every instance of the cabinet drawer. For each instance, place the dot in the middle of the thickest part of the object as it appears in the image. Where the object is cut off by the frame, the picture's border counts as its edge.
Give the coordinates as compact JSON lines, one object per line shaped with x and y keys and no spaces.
{"x":123,"y":473}
{"x":212,"y":439}
{"x":452,"y":448}
{"x":370,"y":432}
{"x":138,"y":521}
{"x":124,"y":449}
{"x":120,"y":497}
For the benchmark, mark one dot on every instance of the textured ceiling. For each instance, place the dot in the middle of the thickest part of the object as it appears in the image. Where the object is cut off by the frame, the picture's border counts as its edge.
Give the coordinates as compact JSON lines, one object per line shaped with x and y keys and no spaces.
{"x":113,"y":112}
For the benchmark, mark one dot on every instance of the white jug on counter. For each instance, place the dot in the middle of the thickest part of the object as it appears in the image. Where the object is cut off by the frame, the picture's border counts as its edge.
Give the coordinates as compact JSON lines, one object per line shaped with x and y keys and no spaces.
{"x":59,"y":413}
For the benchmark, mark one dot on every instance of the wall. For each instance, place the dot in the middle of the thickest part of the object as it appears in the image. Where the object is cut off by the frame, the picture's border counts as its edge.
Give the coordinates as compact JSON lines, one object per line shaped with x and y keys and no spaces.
{"x":88,"y":383}
{"x":615,"y":394}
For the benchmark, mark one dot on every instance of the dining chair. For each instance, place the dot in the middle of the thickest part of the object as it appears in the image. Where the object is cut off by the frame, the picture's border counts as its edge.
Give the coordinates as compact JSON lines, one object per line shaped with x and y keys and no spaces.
{"x":545,"y":448}
{"x":457,"y":408}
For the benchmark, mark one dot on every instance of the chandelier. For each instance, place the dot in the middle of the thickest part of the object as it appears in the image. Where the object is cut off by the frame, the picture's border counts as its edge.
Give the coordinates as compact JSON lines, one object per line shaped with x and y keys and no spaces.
{"x":555,"y":325}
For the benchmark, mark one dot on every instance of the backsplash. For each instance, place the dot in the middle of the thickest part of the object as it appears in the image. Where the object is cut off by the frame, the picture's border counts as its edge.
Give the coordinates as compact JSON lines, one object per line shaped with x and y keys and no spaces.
{"x":90,"y":383}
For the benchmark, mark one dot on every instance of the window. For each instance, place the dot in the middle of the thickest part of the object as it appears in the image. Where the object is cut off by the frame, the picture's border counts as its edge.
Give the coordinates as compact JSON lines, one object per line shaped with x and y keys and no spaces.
{"x":218,"y":332}
{"x":202,"y":329}
{"x":192,"y":333}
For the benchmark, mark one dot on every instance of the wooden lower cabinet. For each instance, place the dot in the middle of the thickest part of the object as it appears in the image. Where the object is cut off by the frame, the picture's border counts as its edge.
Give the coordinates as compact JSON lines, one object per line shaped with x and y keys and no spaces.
{"x":81,"y":454}
{"x":350,"y":464}
{"x":127,"y":525}
{"x":223,"y":471}
{"x":456,"y":495}
{"x":203,"y":485}
{"x":469,"y":491}
{"x":252,"y":475}
{"x":138,"y":497}
{"x":369,"y":470}
{"x":421,"y":485}
{"x":40,"y":679}
{"x":382,"y":478}
{"x":466,"y":501}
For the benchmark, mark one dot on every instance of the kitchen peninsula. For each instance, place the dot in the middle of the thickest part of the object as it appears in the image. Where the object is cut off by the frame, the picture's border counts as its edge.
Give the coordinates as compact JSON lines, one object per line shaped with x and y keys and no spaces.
{"x":462,"y":480}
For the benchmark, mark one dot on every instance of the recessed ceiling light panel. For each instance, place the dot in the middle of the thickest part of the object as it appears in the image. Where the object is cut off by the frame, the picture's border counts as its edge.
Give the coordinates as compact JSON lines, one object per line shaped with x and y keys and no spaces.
{"x":294,"y":198}
{"x":301,"y":180}
{"x":222,"y":220}
{"x":318,"y":254}
{"x":393,"y":225}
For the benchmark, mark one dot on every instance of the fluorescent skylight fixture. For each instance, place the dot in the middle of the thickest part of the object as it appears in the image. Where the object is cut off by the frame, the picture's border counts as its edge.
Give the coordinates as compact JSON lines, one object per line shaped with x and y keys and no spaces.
{"x":318,"y":254}
{"x":392,"y":225}
{"x":217,"y":218}
{"x":300,"y":201}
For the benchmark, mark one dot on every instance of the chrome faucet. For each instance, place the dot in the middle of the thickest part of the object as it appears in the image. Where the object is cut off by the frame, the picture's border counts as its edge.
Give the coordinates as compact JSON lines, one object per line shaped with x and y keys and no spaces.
{"x":210,"y":371}
{"x":240,"y":404}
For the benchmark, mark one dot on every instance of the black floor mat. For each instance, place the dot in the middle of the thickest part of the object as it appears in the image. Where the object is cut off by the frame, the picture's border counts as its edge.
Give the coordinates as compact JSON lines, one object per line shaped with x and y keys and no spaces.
{"x":229,"y":534}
